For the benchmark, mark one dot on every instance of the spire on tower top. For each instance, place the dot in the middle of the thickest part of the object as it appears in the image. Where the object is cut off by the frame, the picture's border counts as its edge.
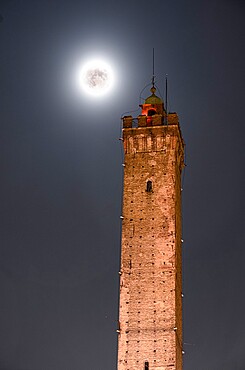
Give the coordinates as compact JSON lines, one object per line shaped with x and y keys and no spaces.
{"x":153,"y":70}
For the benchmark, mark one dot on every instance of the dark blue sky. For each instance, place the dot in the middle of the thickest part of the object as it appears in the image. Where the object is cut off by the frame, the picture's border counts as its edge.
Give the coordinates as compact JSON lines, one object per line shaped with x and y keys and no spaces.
{"x":61,"y":175}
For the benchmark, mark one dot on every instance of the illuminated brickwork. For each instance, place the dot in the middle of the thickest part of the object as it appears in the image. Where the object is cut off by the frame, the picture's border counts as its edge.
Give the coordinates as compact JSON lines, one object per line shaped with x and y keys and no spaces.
{"x":150,"y":313}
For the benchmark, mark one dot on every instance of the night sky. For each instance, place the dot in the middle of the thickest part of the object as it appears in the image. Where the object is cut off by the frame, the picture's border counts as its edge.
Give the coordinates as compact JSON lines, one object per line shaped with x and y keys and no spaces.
{"x":61,"y":174}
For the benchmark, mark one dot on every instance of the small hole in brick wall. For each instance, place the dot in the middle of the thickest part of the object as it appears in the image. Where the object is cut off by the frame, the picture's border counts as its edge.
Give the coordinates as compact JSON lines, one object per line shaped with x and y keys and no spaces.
{"x":132,"y":201}
{"x":152,"y":218}
{"x":149,"y":188}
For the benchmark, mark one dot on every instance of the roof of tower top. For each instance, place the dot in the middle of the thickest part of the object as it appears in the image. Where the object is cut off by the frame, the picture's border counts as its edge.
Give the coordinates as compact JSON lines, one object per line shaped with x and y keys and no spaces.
{"x":153,"y":99}
{"x":153,"y":104}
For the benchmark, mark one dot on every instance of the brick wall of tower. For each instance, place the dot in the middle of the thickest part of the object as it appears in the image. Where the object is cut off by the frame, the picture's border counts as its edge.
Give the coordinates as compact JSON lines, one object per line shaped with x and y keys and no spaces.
{"x":150,"y":281}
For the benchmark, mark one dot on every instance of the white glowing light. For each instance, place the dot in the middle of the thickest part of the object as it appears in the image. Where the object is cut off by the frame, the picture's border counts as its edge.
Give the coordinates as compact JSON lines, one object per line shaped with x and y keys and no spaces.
{"x":96,"y":78}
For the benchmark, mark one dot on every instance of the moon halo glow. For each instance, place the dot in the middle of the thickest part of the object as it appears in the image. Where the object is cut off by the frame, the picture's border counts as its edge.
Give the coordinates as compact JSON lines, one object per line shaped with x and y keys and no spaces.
{"x":96,"y":77}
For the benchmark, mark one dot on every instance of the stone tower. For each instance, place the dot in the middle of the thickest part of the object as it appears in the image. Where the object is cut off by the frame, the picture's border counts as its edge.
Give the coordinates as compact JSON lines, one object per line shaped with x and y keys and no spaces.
{"x":150,"y":312}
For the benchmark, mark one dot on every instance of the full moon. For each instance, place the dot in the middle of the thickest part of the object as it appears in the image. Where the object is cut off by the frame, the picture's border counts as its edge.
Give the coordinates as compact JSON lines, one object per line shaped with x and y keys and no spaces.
{"x":96,"y":78}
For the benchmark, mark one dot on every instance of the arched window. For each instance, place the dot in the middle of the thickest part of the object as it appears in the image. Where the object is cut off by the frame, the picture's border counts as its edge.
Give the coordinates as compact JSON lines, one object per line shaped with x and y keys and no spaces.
{"x":151,"y":112}
{"x":146,"y":365}
{"x":149,"y":186}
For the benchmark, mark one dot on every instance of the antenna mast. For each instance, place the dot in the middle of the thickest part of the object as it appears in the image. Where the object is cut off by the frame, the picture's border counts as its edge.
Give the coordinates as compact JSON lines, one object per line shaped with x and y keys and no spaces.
{"x":166,"y":97}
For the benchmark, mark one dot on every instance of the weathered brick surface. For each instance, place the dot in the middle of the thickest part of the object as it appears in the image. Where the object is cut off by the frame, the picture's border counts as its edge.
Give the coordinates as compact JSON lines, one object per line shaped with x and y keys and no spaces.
{"x":151,"y":278}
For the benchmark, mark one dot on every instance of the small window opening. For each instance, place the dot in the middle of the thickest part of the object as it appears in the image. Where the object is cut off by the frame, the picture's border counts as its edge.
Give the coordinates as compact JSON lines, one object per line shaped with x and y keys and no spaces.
{"x":149,"y":186}
{"x":146,"y":365}
{"x":151,"y":112}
